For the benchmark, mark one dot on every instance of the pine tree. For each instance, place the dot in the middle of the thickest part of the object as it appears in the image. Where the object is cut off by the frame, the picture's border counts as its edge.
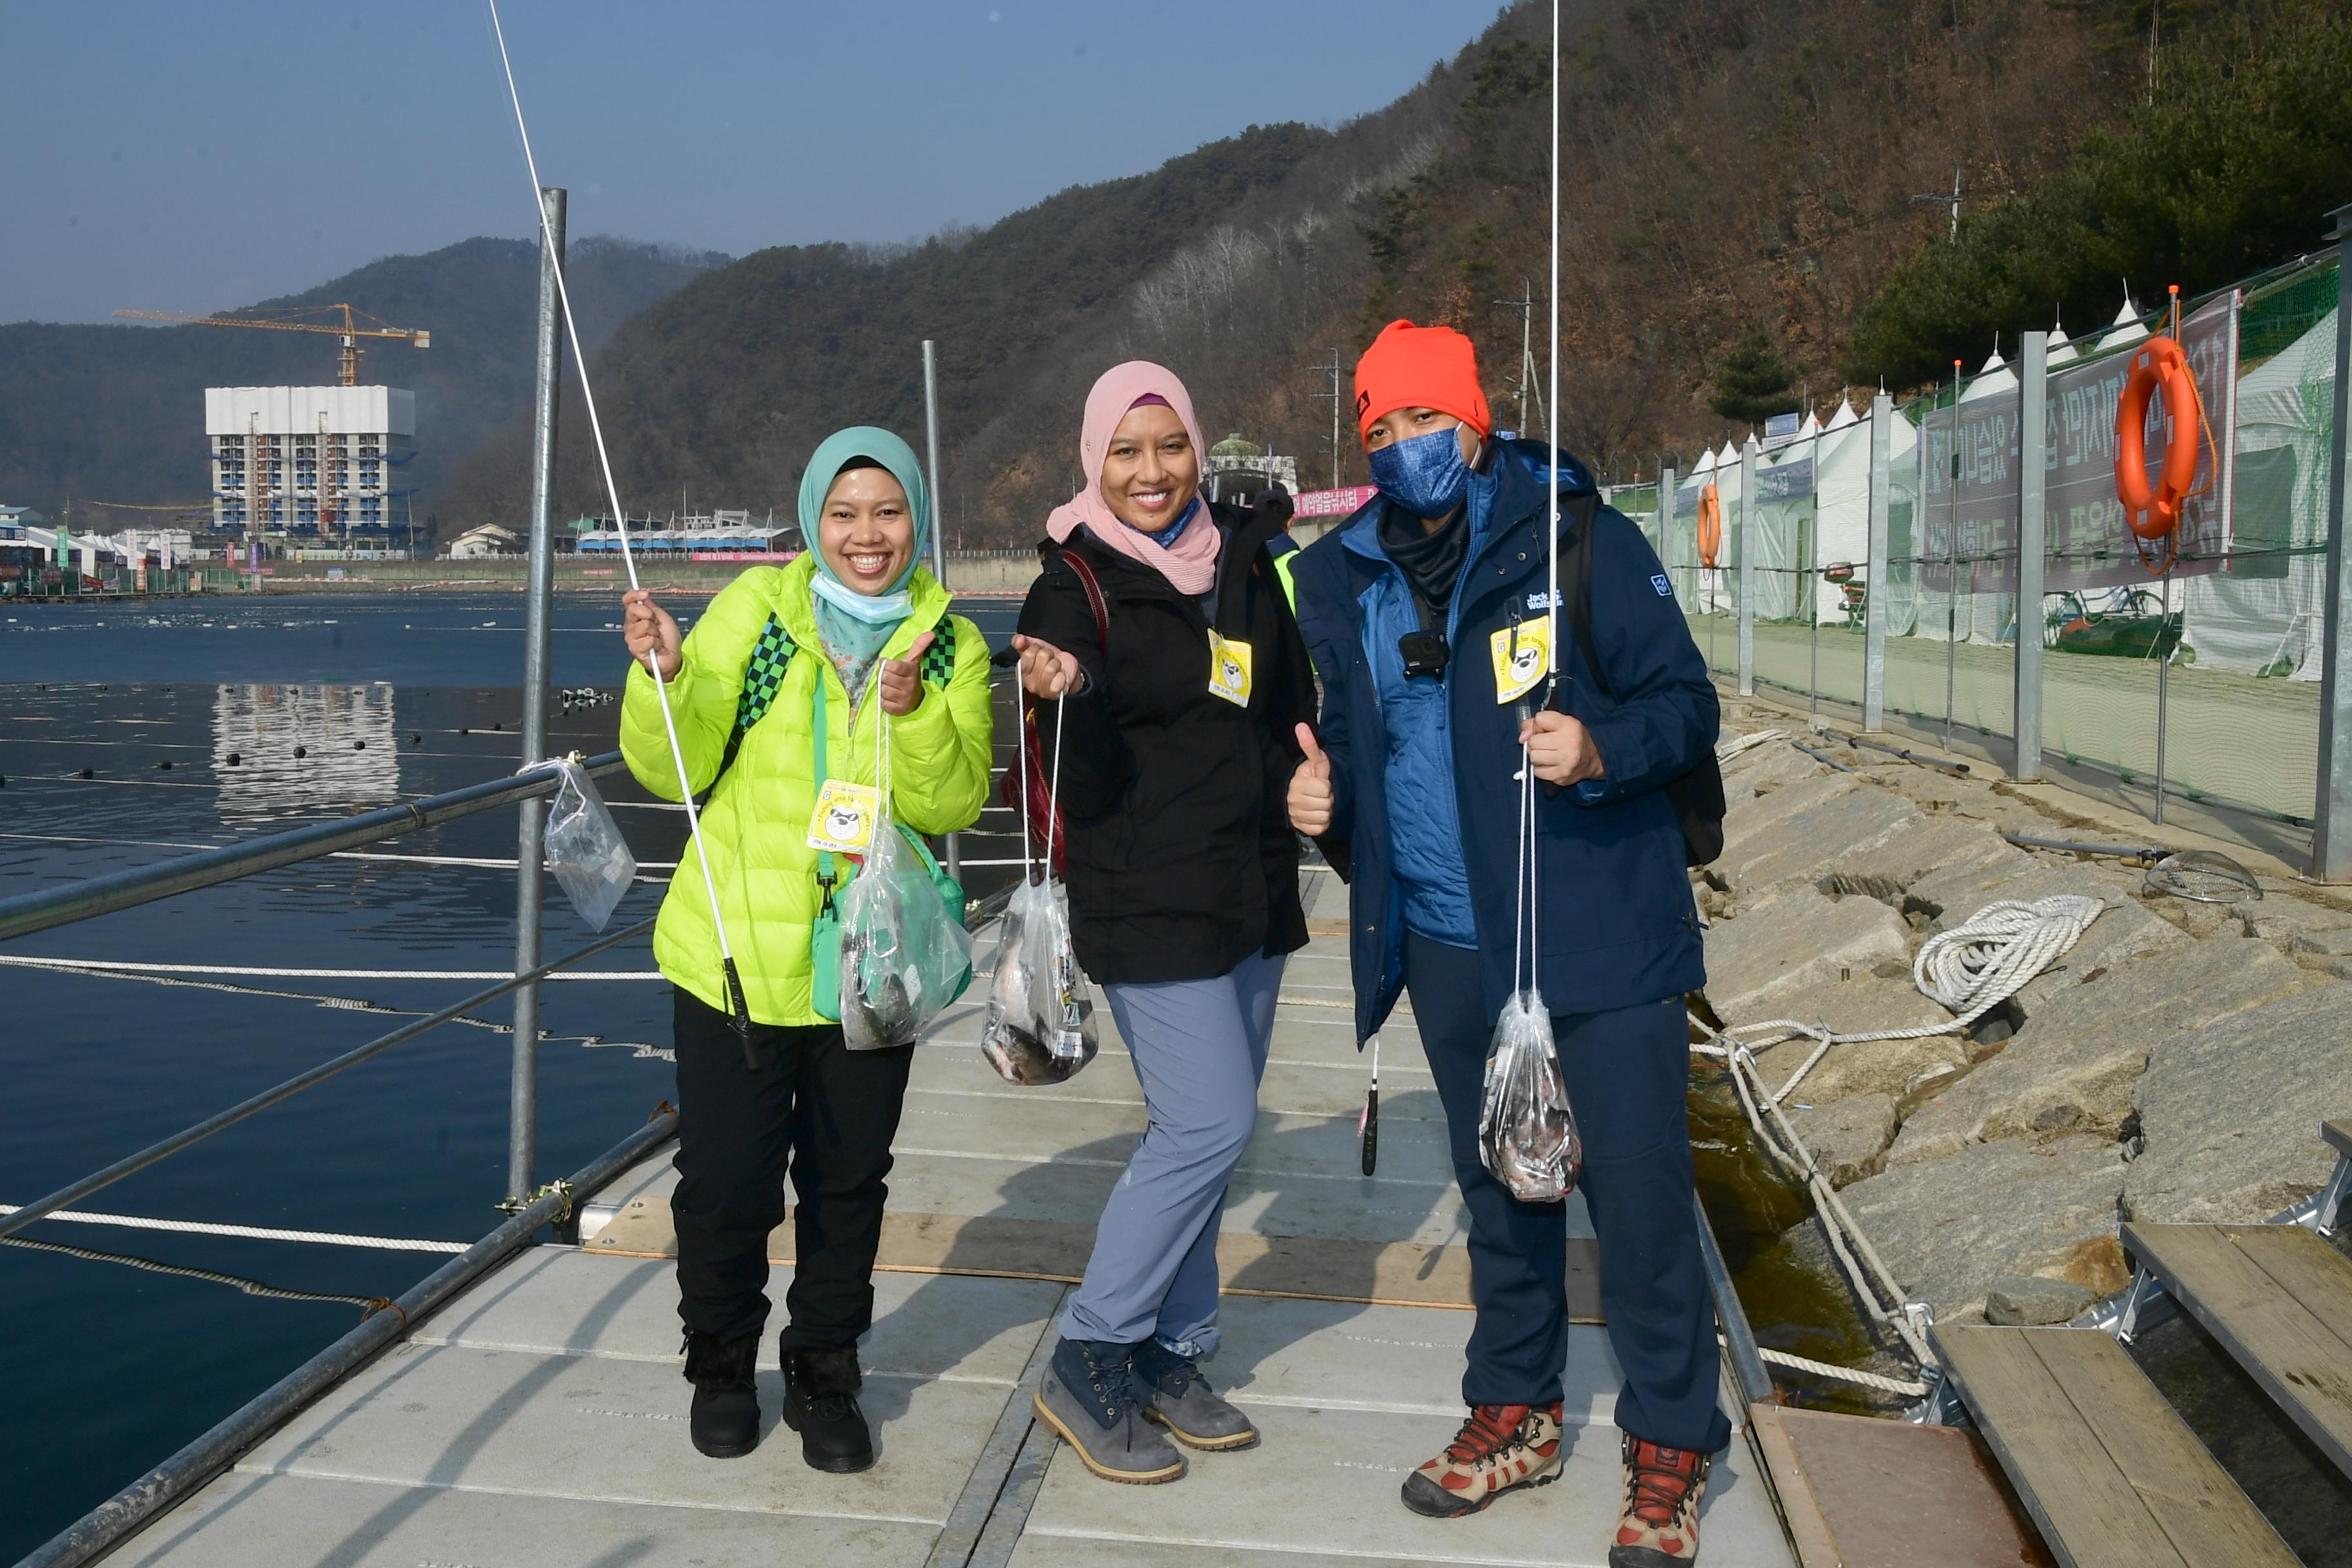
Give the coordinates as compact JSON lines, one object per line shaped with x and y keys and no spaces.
{"x":1753,"y":383}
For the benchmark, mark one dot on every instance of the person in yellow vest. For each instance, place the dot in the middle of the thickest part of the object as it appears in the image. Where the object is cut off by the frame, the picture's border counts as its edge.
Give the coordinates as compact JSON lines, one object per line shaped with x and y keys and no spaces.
{"x":782,"y":685}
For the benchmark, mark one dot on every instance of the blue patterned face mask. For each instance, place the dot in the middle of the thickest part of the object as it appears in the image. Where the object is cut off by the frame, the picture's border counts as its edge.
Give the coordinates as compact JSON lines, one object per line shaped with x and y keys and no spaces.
{"x":1424,"y":474}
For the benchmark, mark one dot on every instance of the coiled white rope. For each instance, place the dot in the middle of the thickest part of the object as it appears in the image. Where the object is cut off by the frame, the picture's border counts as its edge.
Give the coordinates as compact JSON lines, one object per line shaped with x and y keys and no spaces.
{"x":1726,"y":750}
{"x":1971,"y":969}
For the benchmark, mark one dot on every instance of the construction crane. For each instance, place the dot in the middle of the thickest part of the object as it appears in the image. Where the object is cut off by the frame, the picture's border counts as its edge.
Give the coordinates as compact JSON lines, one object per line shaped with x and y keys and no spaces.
{"x":351,"y":332}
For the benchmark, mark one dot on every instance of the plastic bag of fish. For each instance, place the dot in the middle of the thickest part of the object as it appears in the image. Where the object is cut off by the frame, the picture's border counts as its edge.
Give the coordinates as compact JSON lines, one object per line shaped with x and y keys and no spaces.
{"x":589,"y":858}
{"x":1041,"y":1011}
{"x":1527,"y":1134}
{"x":904,"y":957}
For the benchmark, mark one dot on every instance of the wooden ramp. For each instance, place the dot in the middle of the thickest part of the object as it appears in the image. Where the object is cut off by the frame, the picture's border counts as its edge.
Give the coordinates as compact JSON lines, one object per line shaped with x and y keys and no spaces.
{"x":2279,"y":1300}
{"x":540,"y":1419}
{"x":2111,"y":1475}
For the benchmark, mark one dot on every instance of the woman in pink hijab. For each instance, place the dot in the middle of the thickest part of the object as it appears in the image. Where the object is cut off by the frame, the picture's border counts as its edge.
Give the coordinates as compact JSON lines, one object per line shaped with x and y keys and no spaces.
{"x":1185,"y":702}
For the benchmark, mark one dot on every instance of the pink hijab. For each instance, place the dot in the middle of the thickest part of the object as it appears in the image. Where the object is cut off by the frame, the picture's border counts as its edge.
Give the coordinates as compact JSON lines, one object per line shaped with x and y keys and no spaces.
{"x":1190,"y":563}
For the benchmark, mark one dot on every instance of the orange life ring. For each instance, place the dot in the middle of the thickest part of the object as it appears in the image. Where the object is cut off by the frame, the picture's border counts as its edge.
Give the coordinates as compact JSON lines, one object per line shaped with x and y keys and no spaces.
{"x":1710,"y":526}
{"x":2160,"y":368}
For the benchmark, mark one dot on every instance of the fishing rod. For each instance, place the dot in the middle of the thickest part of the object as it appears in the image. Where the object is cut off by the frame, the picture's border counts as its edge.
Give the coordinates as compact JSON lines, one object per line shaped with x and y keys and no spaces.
{"x":739,"y":1010}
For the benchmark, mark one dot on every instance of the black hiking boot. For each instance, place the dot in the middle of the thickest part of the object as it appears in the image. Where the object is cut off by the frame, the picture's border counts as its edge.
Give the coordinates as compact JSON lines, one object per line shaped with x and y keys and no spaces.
{"x":725,"y":1422}
{"x":821,"y":1405}
{"x":1170,"y":1390}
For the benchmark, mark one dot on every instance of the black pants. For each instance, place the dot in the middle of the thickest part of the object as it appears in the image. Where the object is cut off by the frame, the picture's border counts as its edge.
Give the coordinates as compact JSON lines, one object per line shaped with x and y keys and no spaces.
{"x":1626,"y":1071}
{"x":827,"y":1113}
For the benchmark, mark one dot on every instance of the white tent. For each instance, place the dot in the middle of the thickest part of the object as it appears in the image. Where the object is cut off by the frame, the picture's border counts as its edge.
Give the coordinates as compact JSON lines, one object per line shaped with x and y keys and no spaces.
{"x":2263,"y":615}
{"x":1842,"y":485}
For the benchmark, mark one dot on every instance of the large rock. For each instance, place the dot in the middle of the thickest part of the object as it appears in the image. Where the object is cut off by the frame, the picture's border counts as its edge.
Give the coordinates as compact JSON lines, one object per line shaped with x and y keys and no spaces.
{"x":1775,"y":955}
{"x":1763,"y":769}
{"x":1864,"y":1004}
{"x":2029,"y":1300}
{"x":1949,"y":1229}
{"x":1745,"y":820}
{"x":2232,"y":1112}
{"x":2291,"y":922}
{"x":2079,"y":1057}
{"x":1847,"y":1136}
{"x":1887,"y":872}
{"x":1812,"y":842}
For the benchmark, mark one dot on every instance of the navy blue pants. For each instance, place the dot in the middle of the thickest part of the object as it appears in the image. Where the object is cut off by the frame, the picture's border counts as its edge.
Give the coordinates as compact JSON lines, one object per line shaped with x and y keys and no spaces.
{"x":1626,"y":1071}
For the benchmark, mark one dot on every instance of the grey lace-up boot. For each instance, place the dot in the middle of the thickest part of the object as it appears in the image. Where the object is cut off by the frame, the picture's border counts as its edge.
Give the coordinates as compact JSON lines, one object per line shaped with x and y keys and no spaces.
{"x":1087,"y":1396}
{"x":1175,"y":1394}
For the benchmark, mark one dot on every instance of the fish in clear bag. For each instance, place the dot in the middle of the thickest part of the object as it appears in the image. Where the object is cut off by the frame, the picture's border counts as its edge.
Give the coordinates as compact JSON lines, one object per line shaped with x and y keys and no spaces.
{"x":1041,"y":1026}
{"x":1527,"y":1133}
{"x":881,"y":987}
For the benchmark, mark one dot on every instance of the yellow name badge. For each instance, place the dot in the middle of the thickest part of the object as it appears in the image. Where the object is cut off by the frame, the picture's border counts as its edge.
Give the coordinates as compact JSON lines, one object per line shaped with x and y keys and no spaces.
{"x":1229,"y":670}
{"x":845,"y":816}
{"x":1522,"y":658}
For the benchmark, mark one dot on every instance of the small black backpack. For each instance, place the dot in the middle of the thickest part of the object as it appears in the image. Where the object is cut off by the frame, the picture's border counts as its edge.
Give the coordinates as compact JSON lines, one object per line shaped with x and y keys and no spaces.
{"x":1696,"y":795}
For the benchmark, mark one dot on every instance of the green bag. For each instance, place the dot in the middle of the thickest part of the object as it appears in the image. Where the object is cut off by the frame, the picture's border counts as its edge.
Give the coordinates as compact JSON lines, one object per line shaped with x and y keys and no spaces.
{"x":825,"y":933}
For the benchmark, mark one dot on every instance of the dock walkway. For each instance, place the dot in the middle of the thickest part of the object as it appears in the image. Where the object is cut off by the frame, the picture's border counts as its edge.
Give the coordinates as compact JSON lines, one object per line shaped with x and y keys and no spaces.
{"x":540,"y":1419}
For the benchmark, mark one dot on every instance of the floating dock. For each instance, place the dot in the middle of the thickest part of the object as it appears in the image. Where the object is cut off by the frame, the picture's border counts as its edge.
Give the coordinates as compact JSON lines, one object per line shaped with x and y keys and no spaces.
{"x":540,"y":1418}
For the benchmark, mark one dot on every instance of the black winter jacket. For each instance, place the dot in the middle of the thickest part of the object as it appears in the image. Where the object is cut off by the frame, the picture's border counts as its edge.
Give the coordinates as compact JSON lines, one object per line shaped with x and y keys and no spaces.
{"x":1181,"y":859}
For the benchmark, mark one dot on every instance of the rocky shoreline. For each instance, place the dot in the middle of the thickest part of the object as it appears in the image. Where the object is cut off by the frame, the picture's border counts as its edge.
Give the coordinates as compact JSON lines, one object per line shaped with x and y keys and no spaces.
{"x":2173,"y":1066}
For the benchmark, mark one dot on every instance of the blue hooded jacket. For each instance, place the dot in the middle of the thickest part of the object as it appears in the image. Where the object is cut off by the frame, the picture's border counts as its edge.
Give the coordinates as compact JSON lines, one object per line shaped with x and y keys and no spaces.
{"x":1615,"y":920}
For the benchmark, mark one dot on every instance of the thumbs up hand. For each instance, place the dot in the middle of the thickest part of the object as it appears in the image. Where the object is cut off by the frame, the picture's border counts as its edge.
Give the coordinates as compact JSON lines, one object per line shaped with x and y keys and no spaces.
{"x":902,"y":678}
{"x":1310,"y":788}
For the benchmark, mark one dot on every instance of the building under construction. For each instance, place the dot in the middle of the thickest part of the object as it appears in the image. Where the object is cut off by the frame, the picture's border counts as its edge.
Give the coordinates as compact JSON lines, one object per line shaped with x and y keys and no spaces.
{"x":312,"y":466}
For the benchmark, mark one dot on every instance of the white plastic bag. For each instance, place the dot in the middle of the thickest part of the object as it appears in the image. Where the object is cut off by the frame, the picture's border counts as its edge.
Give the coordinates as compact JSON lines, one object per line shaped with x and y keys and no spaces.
{"x":589,"y":858}
{"x":1041,"y":1012}
{"x":903,"y":959}
{"x":1527,"y":1134}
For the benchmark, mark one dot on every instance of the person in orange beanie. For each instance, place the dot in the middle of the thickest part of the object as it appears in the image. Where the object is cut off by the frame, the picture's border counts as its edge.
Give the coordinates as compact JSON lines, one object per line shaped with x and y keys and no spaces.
{"x":1430,"y":617}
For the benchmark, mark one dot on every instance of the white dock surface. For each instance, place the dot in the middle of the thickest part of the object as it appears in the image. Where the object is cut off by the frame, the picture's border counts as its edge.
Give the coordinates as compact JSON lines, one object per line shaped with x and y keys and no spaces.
{"x":541,"y":1418}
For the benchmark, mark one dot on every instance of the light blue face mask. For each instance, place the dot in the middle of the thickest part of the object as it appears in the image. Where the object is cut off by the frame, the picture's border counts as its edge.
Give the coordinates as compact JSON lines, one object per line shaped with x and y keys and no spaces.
{"x":1424,"y":474}
{"x":874,"y":609}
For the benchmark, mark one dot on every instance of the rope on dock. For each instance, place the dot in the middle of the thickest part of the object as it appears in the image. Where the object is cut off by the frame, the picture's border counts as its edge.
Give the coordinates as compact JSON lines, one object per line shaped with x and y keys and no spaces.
{"x":251,"y":1232}
{"x":212,"y":1275}
{"x":345,"y":1003}
{"x":1971,"y":969}
{"x":257,"y":971}
{"x":1902,"y":1386}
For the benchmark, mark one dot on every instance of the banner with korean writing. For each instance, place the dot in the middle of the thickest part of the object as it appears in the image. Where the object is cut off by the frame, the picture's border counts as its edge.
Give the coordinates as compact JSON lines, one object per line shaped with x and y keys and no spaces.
{"x":1968,"y":474}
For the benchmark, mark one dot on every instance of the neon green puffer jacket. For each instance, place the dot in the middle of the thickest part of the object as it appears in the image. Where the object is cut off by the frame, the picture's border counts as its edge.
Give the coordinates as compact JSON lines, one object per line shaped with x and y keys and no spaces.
{"x":755,"y":825}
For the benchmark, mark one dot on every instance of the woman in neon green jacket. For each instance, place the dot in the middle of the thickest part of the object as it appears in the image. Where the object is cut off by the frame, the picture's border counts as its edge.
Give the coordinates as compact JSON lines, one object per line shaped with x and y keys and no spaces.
{"x":855,"y":629}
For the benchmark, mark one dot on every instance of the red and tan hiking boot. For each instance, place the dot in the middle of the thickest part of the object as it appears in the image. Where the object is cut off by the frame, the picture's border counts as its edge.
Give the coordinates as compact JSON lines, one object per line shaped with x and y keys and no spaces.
{"x":1664,"y":1487}
{"x":1500,"y":1449}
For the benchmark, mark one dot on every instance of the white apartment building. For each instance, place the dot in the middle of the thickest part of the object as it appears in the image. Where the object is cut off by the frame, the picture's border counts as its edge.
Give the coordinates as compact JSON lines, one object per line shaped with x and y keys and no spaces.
{"x":312,"y":464}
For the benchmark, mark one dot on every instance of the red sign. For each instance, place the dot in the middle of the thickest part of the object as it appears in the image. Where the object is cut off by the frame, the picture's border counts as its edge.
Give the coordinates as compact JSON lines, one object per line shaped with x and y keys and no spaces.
{"x":1334,"y":503}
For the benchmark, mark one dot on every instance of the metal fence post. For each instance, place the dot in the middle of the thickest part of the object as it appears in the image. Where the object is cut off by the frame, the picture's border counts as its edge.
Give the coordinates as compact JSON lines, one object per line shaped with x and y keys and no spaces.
{"x":2033,"y":456}
{"x":1666,"y":523}
{"x":1748,"y":456}
{"x":1874,"y":568}
{"x":2331,"y":836}
{"x":938,"y":524}
{"x":522,"y":1091}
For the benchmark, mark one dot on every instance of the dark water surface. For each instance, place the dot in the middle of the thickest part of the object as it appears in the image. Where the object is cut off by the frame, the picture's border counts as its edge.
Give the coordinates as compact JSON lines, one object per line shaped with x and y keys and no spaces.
{"x":108,"y":1369}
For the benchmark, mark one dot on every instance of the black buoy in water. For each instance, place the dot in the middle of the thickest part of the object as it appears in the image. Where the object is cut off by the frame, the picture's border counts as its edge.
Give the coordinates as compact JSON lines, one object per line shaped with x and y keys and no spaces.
{"x":462,"y":730}
{"x":234,"y":758}
{"x":301,"y":751}
{"x":359,"y":745}
{"x":165,"y":765}
{"x":84,"y":774}
{"x":415,"y":739}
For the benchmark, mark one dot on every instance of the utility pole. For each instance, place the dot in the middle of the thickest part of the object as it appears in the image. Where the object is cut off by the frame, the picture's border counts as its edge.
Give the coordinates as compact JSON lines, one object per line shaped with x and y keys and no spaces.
{"x":1337,"y":404}
{"x":1526,"y":306}
{"x":1941,"y":199}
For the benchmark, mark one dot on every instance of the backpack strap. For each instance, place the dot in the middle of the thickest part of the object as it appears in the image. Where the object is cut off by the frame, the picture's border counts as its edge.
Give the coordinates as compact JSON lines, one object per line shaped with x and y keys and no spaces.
{"x":1576,"y":587}
{"x":763,"y":677}
{"x":940,"y":658}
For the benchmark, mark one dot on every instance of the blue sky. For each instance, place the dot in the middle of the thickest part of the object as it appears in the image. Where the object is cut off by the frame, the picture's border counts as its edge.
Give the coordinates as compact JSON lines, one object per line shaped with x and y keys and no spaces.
{"x":178,"y":156}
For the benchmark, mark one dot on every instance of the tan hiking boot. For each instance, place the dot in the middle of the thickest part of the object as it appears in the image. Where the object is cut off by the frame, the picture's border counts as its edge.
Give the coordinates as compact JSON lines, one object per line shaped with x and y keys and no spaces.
{"x":1500,"y":1449}
{"x":1664,"y":1487}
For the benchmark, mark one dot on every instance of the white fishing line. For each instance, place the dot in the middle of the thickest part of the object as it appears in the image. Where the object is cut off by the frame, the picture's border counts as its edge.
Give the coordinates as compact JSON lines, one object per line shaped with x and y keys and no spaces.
{"x":740,"y":1010}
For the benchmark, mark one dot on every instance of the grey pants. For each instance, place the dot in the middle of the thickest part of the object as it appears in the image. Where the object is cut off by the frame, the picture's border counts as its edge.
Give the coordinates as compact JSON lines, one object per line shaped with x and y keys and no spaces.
{"x":1199,"y":1049}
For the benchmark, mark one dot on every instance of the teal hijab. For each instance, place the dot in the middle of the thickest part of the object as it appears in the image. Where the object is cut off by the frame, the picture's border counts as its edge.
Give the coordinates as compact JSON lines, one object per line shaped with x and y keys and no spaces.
{"x":854,"y":627}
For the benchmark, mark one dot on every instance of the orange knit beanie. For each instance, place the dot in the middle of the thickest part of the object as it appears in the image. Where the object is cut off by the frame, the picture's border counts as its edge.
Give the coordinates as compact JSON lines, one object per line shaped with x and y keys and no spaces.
{"x":1420,"y":367}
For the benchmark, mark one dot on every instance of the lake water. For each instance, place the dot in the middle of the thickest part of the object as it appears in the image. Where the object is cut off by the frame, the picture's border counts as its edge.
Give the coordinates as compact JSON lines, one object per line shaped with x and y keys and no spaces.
{"x":107,"y":1368}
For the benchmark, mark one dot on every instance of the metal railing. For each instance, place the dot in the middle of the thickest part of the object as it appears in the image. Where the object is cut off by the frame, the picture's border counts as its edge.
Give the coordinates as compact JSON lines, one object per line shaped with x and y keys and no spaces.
{"x":172,"y":1481}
